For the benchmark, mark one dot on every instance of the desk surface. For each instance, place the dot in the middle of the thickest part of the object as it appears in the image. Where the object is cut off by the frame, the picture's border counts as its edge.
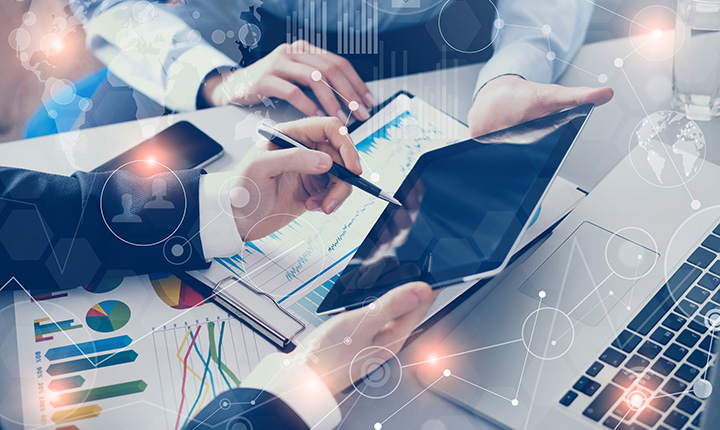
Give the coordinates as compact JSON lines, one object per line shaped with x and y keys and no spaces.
{"x":641,"y":86}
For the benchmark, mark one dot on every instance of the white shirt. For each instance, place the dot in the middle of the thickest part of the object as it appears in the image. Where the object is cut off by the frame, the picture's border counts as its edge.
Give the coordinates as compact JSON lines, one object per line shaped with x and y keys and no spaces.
{"x":166,"y":51}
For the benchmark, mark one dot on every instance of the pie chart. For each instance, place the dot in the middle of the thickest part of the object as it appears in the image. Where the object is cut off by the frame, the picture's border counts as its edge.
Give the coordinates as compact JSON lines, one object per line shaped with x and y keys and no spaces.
{"x":108,"y":316}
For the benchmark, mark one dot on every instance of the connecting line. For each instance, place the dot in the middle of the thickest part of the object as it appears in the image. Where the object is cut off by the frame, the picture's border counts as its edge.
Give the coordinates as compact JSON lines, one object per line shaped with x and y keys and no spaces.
{"x":529,"y":27}
{"x":623,"y":418}
{"x":481,"y":388}
{"x":618,"y":15}
{"x":707,"y":365}
{"x":527,"y":350}
{"x":632,"y":288}
{"x":657,"y":133}
{"x":409,"y":401}
{"x":576,"y":67}
{"x":334,"y":90}
{"x":333,"y":409}
{"x":590,"y":293}
{"x":650,"y":38}
{"x":462,"y":353}
{"x":573,"y":324}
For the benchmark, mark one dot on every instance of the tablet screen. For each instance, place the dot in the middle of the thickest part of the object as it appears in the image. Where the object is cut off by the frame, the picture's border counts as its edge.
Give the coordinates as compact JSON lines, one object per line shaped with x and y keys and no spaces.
{"x":464,"y":208}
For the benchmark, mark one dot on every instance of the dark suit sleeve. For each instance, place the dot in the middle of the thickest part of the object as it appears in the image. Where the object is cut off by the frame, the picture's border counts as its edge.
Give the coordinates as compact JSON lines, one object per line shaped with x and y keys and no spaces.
{"x":246,"y":408}
{"x":61,"y":232}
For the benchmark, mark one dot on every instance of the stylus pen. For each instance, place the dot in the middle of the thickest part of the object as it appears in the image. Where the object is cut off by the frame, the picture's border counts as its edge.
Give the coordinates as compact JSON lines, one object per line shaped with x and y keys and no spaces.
{"x":284,"y":141}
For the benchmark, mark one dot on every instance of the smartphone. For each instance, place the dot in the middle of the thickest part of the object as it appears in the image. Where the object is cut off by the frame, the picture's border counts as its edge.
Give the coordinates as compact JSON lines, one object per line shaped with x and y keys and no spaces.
{"x":179,"y":147}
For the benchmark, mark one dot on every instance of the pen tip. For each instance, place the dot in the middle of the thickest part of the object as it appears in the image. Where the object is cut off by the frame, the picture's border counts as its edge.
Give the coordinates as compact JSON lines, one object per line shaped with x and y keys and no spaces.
{"x":388,"y":198}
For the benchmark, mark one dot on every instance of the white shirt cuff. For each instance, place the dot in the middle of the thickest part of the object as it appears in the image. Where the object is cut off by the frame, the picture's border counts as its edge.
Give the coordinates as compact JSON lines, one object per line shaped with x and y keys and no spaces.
{"x":218,"y":233}
{"x":186,"y":74}
{"x":523,"y":59}
{"x":299,"y":387}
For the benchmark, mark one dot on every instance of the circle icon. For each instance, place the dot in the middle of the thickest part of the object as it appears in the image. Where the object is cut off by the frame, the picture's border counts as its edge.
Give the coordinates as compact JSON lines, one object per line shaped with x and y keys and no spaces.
{"x":648,"y":38}
{"x":673,"y":149}
{"x":456,"y":17}
{"x":163,"y":210}
{"x":702,"y":388}
{"x":712,"y":319}
{"x":548,"y":333}
{"x":629,"y":260}
{"x":108,"y":316}
{"x":380,"y":377}
{"x":177,"y":250}
{"x":249,"y":35}
{"x":636,"y":400}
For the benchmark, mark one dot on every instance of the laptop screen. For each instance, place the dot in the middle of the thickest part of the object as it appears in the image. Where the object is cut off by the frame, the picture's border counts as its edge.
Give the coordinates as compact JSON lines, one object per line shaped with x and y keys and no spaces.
{"x":464,"y":208}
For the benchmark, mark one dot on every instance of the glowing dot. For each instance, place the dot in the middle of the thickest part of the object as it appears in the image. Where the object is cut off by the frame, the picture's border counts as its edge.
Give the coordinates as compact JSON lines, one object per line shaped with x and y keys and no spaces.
{"x":619,"y":62}
{"x":639,"y":256}
{"x":347,"y":340}
{"x":550,"y":55}
{"x":499,"y":23}
{"x":375,"y":177}
{"x":611,"y":292}
{"x":353,"y":105}
{"x":343,"y":131}
{"x":177,"y":250}
{"x":230,"y":33}
{"x":542,"y":294}
{"x":24,"y":56}
{"x":52,"y":113}
{"x":372,"y":306}
{"x":432,"y":358}
{"x":695,"y":204}
{"x":447,"y":373}
{"x":377,"y":426}
{"x":602,"y":78}
{"x":286,"y":362}
{"x":553,"y":343}
{"x":546,"y":29}
{"x":636,"y":400}
{"x":252,"y":402}
{"x":194,"y":37}
{"x":239,"y":197}
{"x":628,"y":308}
{"x":657,"y":33}
{"x":702,"y":388}
{"x":316,"y":75}
{"x":514,"y":402}
{"x":196,"y":14}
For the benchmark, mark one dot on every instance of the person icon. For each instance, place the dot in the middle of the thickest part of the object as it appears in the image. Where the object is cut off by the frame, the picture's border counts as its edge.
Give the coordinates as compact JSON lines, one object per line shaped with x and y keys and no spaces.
{"x":159,"y":191}
{"x":126,"y":216}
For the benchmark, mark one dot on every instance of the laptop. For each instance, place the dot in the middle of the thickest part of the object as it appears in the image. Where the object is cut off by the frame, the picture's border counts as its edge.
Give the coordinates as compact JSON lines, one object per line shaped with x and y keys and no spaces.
{"x":613,"y":322}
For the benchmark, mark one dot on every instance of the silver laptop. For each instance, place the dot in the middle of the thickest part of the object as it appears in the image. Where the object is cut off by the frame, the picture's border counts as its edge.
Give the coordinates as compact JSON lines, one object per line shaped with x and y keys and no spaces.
{"x":614,"y":321}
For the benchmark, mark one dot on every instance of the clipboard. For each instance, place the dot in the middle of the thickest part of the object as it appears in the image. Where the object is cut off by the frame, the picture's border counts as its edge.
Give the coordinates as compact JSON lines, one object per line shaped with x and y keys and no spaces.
{"x":256,"y":308}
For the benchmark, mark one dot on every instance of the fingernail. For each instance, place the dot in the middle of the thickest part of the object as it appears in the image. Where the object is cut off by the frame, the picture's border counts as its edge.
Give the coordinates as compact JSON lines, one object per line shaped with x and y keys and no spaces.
{"x":323,"y":162}
{"x":364,"y":114}
{"x":421,"y":293}
{"x":313,"y":205}
{"x":319,"y":113}
{"x":332,"y":206}
{"x":370,"y":99}
{"x":340,"y":114}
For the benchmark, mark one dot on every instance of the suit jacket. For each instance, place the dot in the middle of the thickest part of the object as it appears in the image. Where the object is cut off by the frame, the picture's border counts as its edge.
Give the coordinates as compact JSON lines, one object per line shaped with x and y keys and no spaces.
{"x":246,"y":409}
{"x":61,"y":232}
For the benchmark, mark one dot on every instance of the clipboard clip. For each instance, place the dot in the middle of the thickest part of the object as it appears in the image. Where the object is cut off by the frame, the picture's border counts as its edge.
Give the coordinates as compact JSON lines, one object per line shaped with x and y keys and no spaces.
{"x":258,"y":310}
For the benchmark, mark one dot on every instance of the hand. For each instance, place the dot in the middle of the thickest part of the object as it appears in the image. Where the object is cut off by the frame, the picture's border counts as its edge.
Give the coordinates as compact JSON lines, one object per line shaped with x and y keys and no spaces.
{"x":283,"y":72}
{"x":388,"y":324}
{"x":274,"y":186}
{"x":509,"y":100}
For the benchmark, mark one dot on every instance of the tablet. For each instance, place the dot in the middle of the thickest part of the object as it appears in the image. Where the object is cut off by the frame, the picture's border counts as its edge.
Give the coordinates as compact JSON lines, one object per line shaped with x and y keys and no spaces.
{"x":465,"y":208}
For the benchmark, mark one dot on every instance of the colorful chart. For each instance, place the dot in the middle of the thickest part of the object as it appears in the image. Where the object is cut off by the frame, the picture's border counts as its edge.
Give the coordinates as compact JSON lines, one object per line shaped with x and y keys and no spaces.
{"x":108,"y":316}
{"x":174,"y":292}
{"x":104,"y":285}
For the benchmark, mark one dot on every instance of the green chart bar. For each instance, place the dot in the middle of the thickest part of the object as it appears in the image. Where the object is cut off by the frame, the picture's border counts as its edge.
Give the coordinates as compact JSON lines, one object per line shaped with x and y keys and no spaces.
{"x":68,"y":383}
{"x":99,"y":393}
{"x":95,"y":362}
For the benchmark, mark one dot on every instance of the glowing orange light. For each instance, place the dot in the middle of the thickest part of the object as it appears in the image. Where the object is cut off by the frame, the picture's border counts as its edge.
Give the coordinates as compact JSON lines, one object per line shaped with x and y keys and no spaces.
{"x":150,"y":160}
{"x":658,"y":33}
{"x":636,"y":400}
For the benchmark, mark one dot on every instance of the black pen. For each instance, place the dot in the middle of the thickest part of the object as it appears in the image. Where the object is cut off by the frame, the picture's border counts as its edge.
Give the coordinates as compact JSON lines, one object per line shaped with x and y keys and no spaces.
{"x":284,"y":141}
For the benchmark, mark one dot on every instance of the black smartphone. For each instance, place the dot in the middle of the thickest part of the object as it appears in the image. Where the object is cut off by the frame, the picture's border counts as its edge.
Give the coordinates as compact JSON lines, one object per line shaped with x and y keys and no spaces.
{"x":179,"y":147}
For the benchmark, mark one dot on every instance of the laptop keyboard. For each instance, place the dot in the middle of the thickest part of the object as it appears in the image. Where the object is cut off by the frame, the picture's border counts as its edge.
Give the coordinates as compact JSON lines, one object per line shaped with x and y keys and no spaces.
{"x":655,"y":361}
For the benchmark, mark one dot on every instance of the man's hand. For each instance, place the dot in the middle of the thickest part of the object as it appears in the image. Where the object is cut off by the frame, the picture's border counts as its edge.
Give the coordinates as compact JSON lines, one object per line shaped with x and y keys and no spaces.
{"x":284,"y":72}
{"x":274,"y":186}
{"x":387,"y":323}
{"x":509,"y":100}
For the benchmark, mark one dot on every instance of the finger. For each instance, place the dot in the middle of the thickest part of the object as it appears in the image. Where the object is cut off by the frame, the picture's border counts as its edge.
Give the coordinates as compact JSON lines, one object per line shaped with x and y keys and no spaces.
{"x":274,"y":86}
{"x":400,"y":301}
{"x":337,"y":193}
{"x":301,"y":160}
{"x":558,"y":97}
{"x":396,"y":331}
{"x":301,"y":73}
{"x":313,"y":131}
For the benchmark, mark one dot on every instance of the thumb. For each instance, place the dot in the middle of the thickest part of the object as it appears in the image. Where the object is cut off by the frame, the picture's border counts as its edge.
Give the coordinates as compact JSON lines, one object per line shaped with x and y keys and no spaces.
{"x":299,"y":160}
{"x":401,"y":301}
{"x":569,"y":97}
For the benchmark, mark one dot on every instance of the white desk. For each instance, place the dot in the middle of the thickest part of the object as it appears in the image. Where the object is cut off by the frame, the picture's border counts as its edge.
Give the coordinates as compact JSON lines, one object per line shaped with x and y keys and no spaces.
{"x":604,"y":142}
